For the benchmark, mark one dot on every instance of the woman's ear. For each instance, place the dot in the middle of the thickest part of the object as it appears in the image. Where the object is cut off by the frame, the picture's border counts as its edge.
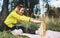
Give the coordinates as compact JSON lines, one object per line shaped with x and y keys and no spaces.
{"x":17,"y":8}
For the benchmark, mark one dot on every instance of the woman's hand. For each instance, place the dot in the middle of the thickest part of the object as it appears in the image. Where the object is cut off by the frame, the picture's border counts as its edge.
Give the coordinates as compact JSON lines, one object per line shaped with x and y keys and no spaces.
{"x":37,"y":21}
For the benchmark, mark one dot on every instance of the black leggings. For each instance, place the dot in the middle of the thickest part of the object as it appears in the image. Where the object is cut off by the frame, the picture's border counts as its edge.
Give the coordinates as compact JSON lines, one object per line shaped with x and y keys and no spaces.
{"x":4,"y":27}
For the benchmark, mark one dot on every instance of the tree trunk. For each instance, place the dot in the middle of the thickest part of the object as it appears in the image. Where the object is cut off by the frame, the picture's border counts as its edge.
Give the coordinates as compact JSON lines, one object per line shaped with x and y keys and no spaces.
{"x":4,"y":12}
{"x":5,"y":9}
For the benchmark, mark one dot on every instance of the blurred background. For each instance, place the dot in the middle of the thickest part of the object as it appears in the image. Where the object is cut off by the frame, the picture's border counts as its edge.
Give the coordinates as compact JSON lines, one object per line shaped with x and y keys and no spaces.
{"x":45,"y":10}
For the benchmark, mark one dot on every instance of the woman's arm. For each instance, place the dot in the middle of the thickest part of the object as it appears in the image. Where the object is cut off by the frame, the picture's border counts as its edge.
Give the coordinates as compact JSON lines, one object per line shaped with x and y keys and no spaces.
{"x":35,"y":21}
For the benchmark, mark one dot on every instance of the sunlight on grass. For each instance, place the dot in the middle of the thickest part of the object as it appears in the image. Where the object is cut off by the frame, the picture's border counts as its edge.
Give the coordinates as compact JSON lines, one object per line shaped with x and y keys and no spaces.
{"x":53,"y":23}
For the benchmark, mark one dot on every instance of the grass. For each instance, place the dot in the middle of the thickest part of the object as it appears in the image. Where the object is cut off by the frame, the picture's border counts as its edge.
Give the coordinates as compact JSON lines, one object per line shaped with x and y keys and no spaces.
{"x":7,"y":34}
{"x":53,"y":23}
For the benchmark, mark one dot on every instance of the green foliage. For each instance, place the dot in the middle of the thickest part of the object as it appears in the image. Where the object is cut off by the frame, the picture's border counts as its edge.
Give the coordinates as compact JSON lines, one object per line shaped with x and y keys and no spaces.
{"x":52,"y":11}
{"x":34,"y":26}
{"x":31,"y":26}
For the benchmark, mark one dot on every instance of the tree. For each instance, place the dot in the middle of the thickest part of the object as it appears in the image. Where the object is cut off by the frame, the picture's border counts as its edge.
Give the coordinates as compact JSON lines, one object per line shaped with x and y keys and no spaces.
{"x":4,"y":10}
{"x":52,"y":11}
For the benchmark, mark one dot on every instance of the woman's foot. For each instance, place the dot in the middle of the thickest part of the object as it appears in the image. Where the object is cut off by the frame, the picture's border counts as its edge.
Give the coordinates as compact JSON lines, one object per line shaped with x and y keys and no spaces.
{"x":17,"y":32}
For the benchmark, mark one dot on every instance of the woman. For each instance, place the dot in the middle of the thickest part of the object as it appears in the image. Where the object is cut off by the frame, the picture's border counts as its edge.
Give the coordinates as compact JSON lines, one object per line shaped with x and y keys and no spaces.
{"x":16,"y":16}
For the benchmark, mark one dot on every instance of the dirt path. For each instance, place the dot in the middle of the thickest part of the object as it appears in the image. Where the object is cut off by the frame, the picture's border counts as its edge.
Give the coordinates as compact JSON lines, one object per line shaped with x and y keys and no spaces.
{"x":52,"y":34}
{"x":49,"y":34}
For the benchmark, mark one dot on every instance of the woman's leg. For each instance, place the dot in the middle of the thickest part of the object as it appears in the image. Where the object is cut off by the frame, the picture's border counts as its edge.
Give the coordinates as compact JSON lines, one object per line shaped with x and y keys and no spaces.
{"x":18,"y":30}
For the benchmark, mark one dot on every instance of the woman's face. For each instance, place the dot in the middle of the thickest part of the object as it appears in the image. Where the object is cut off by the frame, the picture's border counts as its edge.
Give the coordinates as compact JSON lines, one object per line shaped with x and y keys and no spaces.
{"x":21,"y":11}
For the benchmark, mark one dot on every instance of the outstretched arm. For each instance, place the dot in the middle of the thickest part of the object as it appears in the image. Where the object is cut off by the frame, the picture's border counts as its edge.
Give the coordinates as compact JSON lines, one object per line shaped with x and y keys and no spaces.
{"x":35,"y":21}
